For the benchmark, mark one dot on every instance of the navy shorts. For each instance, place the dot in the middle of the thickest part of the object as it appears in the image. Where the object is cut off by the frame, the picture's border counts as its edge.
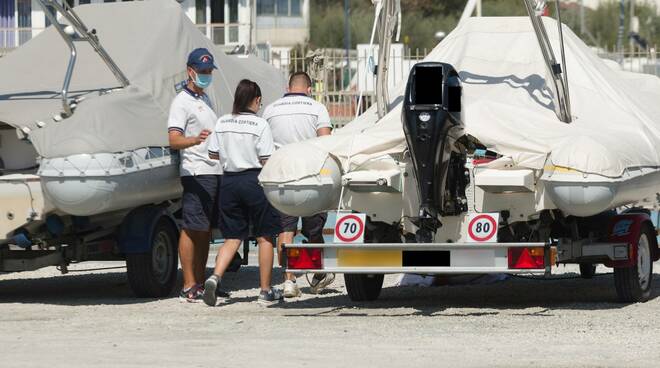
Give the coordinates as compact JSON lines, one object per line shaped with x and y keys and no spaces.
{"x":200,"y":209}
{"x":312,"y":226}
{"x":243,"y":203}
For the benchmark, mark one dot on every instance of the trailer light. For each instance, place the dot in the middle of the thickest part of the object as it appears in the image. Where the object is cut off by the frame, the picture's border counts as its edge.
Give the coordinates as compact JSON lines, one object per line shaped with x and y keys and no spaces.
{"x":526,"y":258}
{"x":304,"y":258}
{"x":536,"y":252}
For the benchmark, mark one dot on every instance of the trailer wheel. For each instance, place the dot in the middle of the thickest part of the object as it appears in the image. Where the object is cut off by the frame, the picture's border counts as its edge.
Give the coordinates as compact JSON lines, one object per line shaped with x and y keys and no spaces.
{"x":362,"y":288}
{"x":153,"y":274}
{"x":587,"y":270}
{"x":633,"y":284}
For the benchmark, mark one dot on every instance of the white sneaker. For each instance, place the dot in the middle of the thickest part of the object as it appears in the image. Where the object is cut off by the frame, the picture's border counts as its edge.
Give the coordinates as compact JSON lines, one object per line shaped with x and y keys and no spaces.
{"x":320,"y":282}
{"x":291,"y":289}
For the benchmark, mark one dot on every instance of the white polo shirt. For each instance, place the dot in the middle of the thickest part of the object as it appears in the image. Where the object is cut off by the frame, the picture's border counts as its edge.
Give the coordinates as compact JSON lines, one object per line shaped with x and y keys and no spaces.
{"x":241,"y":141}
{"x":296,"y":117}
{"x":190,"y":113}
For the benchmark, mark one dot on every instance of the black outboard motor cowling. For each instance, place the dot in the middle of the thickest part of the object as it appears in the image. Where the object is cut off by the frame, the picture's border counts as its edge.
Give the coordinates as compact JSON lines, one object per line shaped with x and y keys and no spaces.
{"x":432,"y":124}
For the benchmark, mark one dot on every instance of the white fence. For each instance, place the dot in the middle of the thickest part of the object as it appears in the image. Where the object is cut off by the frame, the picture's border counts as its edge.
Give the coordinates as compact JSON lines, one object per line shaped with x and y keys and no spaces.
{"x":339,"y":79}
{"x":638,"y":61}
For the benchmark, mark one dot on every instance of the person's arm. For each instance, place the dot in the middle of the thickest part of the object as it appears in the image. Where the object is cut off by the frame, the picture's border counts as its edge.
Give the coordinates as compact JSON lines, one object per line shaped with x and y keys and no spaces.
{"x":323,"y":123}
{"x":214,"y":147}
{"x":176,"y":127}
{"x":265,"y":146}
{"x":323,"y":131}
{"x":178,"y":141}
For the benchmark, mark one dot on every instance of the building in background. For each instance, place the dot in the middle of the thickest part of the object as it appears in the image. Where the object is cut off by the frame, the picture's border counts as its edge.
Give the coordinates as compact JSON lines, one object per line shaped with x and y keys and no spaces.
{"x":262,"y":24}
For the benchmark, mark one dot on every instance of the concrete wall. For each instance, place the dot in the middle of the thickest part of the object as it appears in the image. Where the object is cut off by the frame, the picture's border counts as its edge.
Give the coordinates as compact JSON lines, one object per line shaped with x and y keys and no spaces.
{"x":280,"y":31}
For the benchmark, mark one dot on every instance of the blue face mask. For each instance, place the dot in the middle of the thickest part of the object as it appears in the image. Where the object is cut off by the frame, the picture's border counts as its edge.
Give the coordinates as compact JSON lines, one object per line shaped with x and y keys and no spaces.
{"x":203,"y":80}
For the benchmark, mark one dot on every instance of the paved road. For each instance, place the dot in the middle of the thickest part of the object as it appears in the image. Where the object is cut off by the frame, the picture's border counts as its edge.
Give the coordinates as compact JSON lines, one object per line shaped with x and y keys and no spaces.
{"x":90,"y":318}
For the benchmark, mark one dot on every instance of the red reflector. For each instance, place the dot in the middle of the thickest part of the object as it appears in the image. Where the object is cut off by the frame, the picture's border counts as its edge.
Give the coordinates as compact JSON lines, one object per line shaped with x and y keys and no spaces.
{"x":526,"y":258}
{"x":304,"y":258}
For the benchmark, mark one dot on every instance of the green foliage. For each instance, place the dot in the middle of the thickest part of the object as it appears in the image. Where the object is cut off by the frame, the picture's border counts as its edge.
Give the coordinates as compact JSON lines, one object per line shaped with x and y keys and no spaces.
{"x":603,"y":23}
{"x":423,"y":18}
{"x":499,"y":8}
{"x":418,"y":30}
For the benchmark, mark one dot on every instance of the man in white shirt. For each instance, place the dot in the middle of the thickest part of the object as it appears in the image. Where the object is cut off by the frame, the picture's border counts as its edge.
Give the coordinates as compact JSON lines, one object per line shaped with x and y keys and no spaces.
{"x":191,"y":120}
{"x":293,"y":118}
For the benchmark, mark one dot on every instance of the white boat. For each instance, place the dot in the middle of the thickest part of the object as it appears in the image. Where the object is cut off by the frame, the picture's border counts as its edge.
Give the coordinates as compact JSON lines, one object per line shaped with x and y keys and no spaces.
{"x":605,"y":158}
{"x":111,"y":152}
{"x":486,"y":125}
{"x":83,"y":136}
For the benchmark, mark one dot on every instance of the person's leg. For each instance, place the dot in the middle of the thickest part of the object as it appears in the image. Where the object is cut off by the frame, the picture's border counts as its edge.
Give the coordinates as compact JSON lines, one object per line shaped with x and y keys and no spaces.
{"x":225,"y":255}
{"x":209,"y":186}
{"x":202,"y":256}
{"x":267,"y":222}
{"x":186,"y":257}
{"x":265,"y":261}
{"x":192,"y":245}
{"x":289,"y":227}
{"x":199,"y":198}
{"x":233,"y":223}
{"x":285,"y":237}
{"x":312,"y":229}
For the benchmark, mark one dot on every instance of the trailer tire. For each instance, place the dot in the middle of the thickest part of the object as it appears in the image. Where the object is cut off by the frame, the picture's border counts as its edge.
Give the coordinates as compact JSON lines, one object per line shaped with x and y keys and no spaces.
{"x":361,"y":288}
{"x":633,"y":284}
{"x":587,"y":270}
{"x":153,"y":274}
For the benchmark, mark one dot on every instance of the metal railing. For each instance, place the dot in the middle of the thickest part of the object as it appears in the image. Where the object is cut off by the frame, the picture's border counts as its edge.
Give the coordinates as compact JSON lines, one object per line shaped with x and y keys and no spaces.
{"x":637,"y":60}
{"x":339,"y":80}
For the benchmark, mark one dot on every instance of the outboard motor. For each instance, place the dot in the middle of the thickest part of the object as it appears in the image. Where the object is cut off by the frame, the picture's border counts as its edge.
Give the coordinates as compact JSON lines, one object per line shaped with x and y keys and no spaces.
{"x":432,"y":124}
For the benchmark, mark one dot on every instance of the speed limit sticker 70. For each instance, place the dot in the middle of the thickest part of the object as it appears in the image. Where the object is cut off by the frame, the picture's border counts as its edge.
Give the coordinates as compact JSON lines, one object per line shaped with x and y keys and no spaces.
{"x":482,"y":227}
{"x":349,"y":228}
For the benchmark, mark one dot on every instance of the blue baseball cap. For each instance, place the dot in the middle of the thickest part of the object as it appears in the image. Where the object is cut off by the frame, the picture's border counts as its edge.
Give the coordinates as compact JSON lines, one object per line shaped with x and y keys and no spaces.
{"x":201,"y":59}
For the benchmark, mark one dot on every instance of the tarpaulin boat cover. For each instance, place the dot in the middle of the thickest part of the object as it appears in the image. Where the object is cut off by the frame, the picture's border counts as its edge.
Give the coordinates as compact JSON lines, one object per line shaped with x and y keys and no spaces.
{"x":508,"y":107}
{"x":150,"y":42}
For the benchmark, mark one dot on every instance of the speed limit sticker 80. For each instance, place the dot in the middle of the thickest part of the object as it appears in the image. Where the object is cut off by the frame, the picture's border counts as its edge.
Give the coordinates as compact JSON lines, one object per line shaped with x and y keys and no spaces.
{"x":349,"y":228}
{"x":482,"y":227}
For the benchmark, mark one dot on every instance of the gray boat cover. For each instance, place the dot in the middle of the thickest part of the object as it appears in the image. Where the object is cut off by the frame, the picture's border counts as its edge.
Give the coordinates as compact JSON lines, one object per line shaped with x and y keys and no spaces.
{"x":507,"y":106}
{"x":150,"y":42}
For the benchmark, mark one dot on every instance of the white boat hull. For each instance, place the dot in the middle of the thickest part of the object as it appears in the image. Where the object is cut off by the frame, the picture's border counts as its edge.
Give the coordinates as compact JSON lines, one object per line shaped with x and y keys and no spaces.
{"x":85,"y":185}
{"x":579,"y":194}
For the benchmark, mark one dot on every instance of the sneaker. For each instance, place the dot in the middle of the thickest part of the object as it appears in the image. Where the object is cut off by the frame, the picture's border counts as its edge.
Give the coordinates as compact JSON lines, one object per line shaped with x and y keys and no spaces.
{"x":210,"y":290}
{"x":320,"y":282}
{"x":291,"y":289}
{"x":192,"y":294}
{"x":272,"y":296}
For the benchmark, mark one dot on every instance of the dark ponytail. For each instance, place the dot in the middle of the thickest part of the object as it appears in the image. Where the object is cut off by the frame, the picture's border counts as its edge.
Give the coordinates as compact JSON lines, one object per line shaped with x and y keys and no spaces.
{"x":246,"y":92}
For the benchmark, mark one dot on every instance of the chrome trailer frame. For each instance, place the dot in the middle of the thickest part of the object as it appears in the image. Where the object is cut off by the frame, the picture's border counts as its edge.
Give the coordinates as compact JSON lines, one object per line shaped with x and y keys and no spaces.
{"x":547,"y":246}
{"x":564,"y":251}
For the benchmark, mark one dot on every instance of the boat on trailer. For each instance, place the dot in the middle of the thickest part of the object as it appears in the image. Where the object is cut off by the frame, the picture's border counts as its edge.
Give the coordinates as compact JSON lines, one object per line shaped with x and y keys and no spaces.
{"x":86,"y":170}
{"x":556,"y":157}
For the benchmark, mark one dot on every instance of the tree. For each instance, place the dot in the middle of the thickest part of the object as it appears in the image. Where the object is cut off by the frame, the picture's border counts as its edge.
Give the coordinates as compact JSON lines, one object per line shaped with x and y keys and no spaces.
{"x":423,"y":18}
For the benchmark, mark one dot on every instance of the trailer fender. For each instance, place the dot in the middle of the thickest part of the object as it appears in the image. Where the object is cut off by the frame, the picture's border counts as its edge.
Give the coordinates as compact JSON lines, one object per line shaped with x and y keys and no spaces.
{"x":136,"y":229}
{"x":626,"y":228}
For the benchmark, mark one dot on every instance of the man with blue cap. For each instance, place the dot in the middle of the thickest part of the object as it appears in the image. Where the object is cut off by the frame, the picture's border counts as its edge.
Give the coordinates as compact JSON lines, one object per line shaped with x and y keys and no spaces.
{"x":192,"y":118}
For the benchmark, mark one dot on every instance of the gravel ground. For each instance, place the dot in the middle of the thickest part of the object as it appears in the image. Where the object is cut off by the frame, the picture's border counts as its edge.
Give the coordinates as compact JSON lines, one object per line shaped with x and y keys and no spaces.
{"x":90,"y":318}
